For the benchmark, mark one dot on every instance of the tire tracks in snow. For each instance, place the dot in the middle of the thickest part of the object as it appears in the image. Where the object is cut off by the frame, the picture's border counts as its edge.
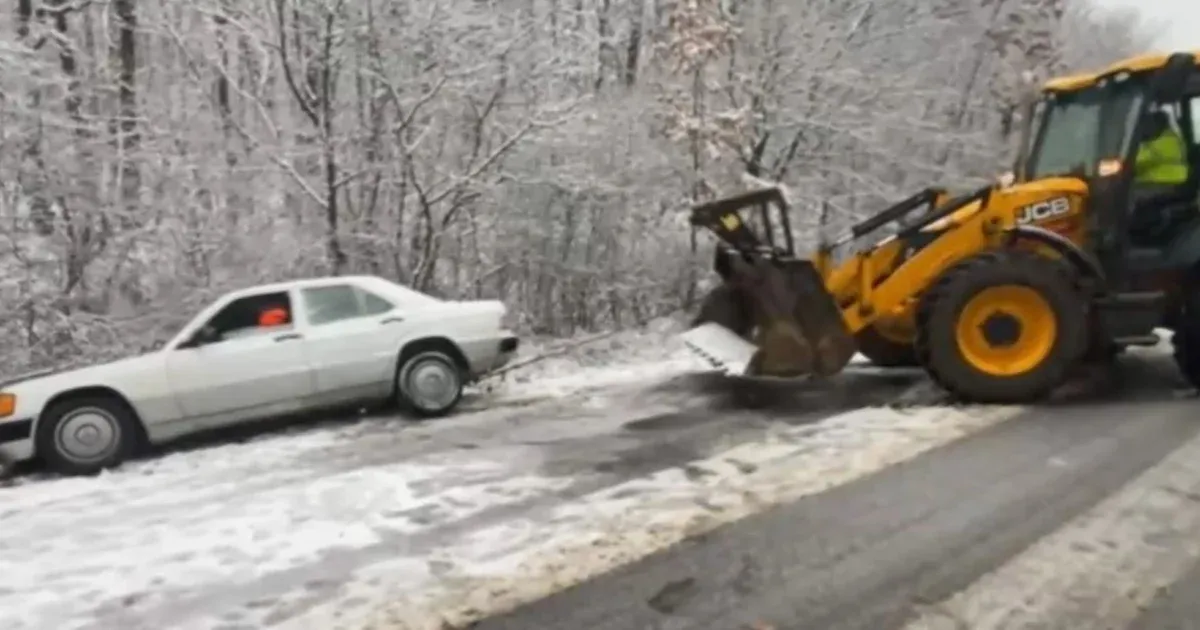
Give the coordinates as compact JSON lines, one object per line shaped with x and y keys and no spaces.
{"x":294,"y":456}
{"x":687,"y":401}
{"x":585,"y":442}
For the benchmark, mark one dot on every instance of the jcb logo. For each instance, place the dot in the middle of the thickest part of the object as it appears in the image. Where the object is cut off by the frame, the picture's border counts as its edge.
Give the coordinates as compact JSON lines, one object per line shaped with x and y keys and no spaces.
{"x":1044,"y":211}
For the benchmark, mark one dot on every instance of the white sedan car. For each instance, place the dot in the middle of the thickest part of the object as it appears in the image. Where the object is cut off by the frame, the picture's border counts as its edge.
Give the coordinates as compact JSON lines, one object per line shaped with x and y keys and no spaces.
{"x":259,"y":353}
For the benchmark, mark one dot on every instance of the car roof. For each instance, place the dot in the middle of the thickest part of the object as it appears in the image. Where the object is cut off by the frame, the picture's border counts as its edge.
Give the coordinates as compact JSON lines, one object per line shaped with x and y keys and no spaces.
{"x":307,"y":283}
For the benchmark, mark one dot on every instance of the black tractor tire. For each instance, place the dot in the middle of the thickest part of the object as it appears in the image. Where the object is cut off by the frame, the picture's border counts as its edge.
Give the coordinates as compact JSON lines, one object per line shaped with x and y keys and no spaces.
{"x":1101,"y":350}
{"x":941,"y":306}
{"x":727,"y":306}
{"x":1186,"y":340}
{"x":885,"y":352}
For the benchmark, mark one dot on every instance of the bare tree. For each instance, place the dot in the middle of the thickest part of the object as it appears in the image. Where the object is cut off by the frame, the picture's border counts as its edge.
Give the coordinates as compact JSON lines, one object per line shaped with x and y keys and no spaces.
{"x":155,"y":153}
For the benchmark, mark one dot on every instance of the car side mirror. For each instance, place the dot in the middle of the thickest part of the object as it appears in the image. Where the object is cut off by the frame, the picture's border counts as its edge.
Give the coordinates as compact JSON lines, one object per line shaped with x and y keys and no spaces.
{"x":202,"y":337}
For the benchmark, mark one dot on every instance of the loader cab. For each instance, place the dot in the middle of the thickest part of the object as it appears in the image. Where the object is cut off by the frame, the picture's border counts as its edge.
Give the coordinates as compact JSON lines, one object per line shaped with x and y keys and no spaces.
{"x":1092,"y":127}
{"x":1074,"y":131}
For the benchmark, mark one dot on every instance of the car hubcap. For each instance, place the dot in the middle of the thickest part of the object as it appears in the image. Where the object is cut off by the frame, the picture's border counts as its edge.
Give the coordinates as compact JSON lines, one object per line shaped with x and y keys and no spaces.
{"x":87,"y":435}
{"x":432,"y":385}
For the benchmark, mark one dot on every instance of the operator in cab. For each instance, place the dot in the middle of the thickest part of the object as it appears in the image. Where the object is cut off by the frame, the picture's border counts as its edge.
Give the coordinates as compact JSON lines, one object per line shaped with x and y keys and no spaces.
{"x":1161,"y":161}
{"x":1160,"y":176}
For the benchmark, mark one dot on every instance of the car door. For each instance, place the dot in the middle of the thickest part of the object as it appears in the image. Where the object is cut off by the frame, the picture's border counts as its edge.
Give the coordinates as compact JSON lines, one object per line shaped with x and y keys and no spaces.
{"x":247,"y":369}
{"x":351,"y":340}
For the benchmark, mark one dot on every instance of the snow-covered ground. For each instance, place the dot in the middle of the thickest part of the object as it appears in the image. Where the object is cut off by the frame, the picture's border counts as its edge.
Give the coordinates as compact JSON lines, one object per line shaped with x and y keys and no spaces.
{"x":1099,"y":570}
{"x":571,"y":366}
{"x":386,"y":523}
{"x":533,"y":556}
{"x":131,"y":548}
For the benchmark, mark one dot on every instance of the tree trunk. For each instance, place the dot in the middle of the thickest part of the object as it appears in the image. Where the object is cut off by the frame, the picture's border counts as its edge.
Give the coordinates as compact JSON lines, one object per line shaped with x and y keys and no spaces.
{"x":127,"y":139}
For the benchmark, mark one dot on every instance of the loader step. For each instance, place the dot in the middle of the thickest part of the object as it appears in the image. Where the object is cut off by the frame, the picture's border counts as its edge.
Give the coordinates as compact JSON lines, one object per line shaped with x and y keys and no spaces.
{"x":1139,"y":340}
{"x":1132,"y":315}
{"x":1132,"y":298}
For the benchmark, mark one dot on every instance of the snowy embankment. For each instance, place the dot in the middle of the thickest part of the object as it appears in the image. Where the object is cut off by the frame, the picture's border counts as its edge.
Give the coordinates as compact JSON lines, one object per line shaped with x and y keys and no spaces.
{"x":384,"y":523}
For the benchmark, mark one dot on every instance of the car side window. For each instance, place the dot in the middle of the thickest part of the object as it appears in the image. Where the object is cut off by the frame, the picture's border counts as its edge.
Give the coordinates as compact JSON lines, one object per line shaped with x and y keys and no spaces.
{"x":373,"y":304}
{"x":325,"y":305}
{"x":252,"y":315}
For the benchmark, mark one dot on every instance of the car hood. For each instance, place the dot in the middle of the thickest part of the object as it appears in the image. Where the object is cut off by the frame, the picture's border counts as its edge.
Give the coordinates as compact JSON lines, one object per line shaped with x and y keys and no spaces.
{"x":102,"y":373}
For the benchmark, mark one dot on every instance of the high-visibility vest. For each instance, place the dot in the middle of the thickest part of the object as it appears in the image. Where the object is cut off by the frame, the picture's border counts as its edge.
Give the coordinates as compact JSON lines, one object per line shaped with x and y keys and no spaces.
{"x":1162,"y":160}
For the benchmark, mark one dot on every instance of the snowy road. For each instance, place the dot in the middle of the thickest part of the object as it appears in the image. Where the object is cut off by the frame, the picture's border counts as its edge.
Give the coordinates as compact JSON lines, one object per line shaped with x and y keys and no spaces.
{"x":1084,"y":515}
{"x":292,"y":526}
{"x":845,"y":514}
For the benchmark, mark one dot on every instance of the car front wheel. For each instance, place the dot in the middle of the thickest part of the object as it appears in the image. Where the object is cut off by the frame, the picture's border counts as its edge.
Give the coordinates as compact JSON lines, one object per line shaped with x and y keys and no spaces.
{"x":429,"y":384}
{"x":86,"y":435}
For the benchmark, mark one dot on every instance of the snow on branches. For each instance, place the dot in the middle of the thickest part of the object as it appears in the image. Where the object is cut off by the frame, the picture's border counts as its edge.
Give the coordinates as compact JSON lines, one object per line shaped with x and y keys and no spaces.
{"x":155,"y":153}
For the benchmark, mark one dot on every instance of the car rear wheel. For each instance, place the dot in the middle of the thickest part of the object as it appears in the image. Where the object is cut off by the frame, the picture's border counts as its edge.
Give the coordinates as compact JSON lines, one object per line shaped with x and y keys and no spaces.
{"x":83,"y":436}
{"x":429,"y":384}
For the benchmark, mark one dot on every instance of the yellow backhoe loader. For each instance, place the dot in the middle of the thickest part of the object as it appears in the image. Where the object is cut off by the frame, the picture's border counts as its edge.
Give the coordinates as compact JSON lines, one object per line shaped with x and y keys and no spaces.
{"x":997,"y":293}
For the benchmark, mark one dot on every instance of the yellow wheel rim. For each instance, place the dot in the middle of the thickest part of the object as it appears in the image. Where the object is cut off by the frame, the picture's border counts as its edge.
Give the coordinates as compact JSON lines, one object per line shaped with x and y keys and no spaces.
{"x":1006,"y":330}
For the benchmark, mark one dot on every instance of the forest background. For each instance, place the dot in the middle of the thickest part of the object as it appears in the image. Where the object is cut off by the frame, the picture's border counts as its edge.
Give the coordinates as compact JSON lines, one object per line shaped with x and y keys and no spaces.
{"x":157,"y":153}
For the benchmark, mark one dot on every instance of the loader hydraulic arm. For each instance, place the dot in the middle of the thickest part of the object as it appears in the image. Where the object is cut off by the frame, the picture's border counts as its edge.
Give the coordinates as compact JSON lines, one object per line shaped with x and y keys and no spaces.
{"x":845,"y":282}
{"x":926,"y":198}
{"x":887,"y":288}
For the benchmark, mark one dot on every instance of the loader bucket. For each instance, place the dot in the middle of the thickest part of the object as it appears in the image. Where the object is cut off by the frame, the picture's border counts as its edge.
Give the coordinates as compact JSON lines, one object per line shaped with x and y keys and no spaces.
{"x":773,"y":315}
{"x":789,"y":324}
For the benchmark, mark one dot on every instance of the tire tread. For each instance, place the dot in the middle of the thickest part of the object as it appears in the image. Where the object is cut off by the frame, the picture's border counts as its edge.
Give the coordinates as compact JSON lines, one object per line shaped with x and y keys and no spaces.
{"x":934,"y":346}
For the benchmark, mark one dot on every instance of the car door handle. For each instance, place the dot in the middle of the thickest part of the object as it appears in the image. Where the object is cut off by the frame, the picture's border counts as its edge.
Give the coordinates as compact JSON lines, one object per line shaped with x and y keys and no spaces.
{"x":390,"y":320}
{"x":288,"y":336}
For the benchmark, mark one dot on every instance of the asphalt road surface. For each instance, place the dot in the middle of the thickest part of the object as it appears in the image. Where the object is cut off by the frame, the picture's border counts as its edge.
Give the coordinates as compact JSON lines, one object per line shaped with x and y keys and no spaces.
{"x":1080,"y":515}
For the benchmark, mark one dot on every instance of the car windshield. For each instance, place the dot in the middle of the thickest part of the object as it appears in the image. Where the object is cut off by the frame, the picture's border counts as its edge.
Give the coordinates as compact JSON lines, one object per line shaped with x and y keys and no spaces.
{"x":1075,"y":130}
